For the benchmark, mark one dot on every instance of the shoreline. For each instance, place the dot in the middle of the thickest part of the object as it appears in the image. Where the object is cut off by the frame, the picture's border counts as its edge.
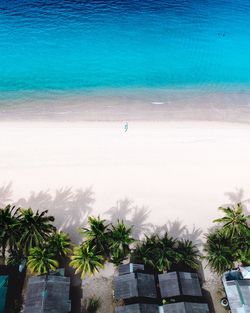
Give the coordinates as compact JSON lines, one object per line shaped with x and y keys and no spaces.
{"x":161,"y":105}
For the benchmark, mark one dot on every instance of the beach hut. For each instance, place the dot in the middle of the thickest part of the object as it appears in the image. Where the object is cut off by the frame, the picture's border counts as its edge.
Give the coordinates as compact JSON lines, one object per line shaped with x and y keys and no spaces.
{"x":135,"y":285}
{"x":237,"y":288}
{"x":11,"y":285}
{"x":185,"y":307}
{"x":130,"y":268}
{"x":138,"y":308}
{"x":179,"y":284}
{"x":3,"y":292}
{"x":48,"y":294}
{"x":245,"y":272}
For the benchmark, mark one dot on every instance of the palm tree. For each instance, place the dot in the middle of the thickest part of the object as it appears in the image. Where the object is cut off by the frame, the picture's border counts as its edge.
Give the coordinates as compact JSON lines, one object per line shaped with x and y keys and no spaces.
{"x":188,"y":254}
{"x":16,"y":257}
{"x":156,"y":251}
{"x":35,"y":228}
{"x":41,"y":261}
{"x":219,"y":252}
{"x":144,"y":250}
{"x":168,"y":246}
{"x":139,"y":253}
{"x":86,"y":260}
{"x":241,"y":248}
{"x":59,"y":244}
{"x":97,"y":235}
{"x":234,"y":222}
{"x":120,"y":241}
{"x":8,"y":229}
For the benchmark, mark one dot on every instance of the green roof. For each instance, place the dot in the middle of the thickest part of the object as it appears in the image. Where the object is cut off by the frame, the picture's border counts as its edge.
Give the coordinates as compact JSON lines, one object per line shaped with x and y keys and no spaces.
{"x":3,"y":291}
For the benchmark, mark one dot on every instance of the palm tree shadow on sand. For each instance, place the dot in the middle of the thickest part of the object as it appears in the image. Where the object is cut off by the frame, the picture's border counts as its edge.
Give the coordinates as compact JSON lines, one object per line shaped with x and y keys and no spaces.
{"x":132,"y":215}
{"x":234,"y":197}
{"x":5,"y":194}
{"x":69,"y":207}
{"x":138,"y":217}
{"x":177,"y":229}
{"x":238,"y":196}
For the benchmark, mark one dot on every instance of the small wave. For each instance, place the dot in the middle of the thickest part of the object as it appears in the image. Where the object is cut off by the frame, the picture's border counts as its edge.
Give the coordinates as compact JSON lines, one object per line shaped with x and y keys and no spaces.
{"x":157,"y":102}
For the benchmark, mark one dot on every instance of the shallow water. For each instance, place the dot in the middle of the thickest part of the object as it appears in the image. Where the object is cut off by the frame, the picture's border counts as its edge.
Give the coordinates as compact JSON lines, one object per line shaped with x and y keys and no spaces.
{"x":75,"y":46}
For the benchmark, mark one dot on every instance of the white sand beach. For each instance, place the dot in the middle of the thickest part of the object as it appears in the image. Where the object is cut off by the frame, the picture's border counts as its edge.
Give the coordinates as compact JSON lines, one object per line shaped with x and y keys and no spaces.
{"x":177,"y":170}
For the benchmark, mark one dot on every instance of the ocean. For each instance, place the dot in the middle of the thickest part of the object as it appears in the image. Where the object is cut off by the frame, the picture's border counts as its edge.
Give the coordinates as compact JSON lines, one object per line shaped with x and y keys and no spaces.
{"x":81,"y":46}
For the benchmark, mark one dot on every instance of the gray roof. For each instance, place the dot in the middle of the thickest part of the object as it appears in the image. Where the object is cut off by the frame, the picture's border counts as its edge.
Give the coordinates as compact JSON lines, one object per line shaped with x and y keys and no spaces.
{"x":185,"y":307}
{"x":175,"y":284}
{"x":138,"y":308}
{"x":238,"y":294}
{"x":3,"y":291}
{"x":135,"y":285}
{"x":130,"y":268}
{"x":55,"y":300}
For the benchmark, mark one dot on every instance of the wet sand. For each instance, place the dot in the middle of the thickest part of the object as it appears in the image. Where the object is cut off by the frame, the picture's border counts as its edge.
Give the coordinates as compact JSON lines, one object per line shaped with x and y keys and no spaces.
{"x":132,"y":105}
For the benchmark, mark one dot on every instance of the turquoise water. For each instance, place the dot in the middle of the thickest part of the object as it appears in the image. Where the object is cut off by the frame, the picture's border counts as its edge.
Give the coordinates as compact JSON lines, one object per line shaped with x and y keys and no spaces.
{"x":81,"y":45}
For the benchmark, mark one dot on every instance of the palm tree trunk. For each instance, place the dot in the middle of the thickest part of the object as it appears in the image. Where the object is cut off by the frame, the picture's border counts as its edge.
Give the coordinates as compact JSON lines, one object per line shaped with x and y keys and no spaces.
{"x":3,"y":253}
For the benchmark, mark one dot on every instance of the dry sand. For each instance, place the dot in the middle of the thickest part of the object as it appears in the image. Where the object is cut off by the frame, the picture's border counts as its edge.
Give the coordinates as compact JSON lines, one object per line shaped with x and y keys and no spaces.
{"x":178,"y":170}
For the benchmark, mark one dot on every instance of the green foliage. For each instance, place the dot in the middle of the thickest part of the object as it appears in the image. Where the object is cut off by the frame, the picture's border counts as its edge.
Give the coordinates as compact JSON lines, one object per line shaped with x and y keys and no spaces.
{"x":234,"y":223}
{"x":151,"y":251}
{"x":188,"y":254}
{"x":169,"y":246}
{"x":163,"y":252}
{"x":34,"y":228}
{"x":231,"y":242}
{"x":120,"y":239}
{"x":41,"y":261}
{"x":16,"y":257}
{"x":35,"y":238}
{"x":219,"y":252}
{"x":97,"y":235}
{"x":59,"y":244}
{"x":23,"y":229}
{"x":86,"y":260}
{"x":101,"y":242}
{"x":242,"y":251}
{"x":8,"y":230}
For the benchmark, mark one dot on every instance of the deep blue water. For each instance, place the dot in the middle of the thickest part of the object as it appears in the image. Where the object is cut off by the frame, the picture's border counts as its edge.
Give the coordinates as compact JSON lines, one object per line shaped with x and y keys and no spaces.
{"x":77,"y":45}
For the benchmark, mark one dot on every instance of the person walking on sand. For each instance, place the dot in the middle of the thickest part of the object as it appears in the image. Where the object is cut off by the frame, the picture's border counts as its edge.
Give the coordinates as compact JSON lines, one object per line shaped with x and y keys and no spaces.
{"x":126,"y":127}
